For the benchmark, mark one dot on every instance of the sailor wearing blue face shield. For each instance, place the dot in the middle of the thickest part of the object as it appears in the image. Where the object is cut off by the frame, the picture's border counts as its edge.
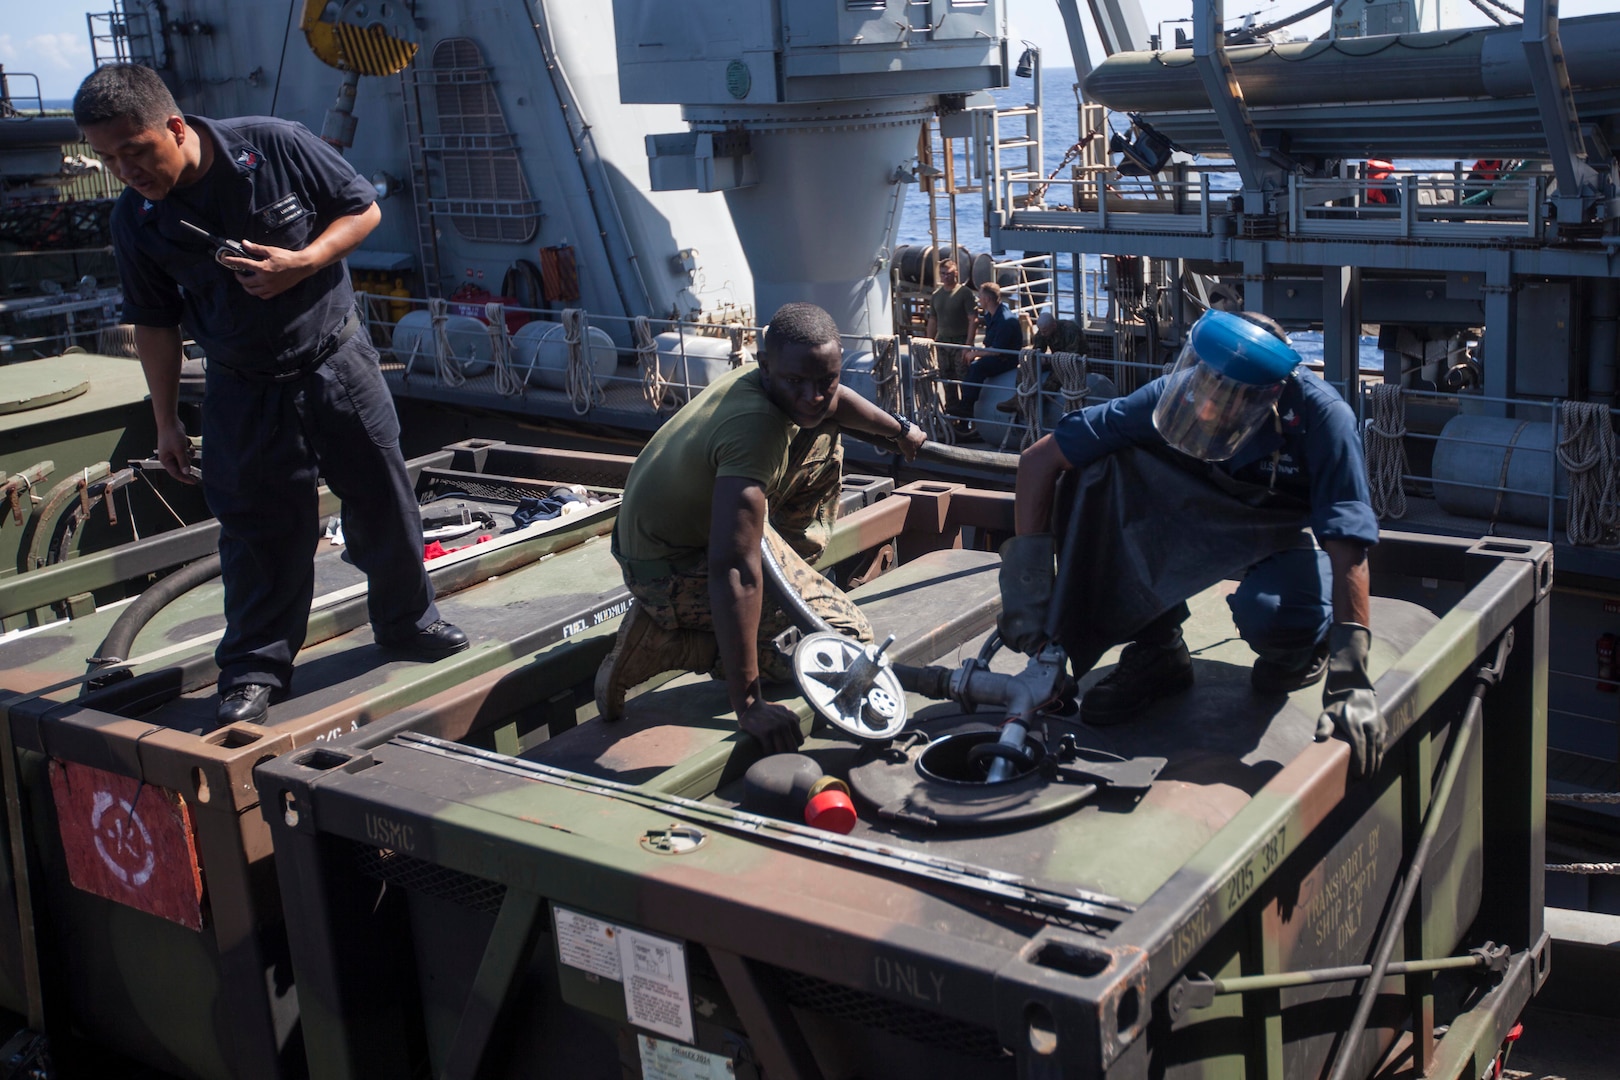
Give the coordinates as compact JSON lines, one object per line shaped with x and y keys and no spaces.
{"x":1239,"y":463}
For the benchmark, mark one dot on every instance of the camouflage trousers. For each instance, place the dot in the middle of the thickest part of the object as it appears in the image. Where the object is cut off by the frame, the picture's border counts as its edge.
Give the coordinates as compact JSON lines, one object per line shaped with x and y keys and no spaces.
{"x":802,"y":515}
{"x":952,"y":360}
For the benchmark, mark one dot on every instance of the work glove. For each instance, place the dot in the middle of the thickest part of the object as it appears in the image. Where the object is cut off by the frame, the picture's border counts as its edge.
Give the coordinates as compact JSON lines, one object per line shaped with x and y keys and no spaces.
{"x":1026,"y":590}
{"x":1349,"y":705}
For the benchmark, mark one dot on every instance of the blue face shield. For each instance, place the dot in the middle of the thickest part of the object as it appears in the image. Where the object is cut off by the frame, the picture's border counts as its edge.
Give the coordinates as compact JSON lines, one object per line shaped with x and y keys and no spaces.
{"x":1223,"y":386}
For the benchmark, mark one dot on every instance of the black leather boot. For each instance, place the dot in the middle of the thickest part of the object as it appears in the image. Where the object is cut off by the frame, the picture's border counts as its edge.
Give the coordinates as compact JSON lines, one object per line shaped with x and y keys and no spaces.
{"x":1146,"y":672}
{"x":1270,"y":678}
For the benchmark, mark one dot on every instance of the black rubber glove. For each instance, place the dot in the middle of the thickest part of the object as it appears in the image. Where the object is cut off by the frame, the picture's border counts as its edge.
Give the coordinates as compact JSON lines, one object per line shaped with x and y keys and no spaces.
{"x":1349,"y":706}
{"x":1026,"y":590}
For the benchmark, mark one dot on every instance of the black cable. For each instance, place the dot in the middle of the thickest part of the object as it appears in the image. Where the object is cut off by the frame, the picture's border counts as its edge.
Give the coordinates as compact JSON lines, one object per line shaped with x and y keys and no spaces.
{"x":275,"y":95}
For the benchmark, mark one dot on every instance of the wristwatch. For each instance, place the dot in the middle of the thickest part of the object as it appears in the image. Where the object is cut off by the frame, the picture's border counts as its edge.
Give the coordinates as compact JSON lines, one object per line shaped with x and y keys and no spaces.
{"x":905,"y":427}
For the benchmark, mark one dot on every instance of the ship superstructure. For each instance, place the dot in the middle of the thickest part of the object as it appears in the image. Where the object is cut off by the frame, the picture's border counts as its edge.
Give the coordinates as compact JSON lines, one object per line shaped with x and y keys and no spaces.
{"x":553,"y":254}
{"x":766,"y":149}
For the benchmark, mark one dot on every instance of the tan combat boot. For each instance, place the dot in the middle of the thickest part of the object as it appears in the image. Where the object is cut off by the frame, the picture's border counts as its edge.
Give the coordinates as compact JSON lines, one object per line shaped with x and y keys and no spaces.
{"x":644,"y":649}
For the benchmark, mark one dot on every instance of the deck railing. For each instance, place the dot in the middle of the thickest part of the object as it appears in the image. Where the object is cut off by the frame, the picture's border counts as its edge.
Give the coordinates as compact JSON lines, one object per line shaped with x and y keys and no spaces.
{"x":1202,"y":199}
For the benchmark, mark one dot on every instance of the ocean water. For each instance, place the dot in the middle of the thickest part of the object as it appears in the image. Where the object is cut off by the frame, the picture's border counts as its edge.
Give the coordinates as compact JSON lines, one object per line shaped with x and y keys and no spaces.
{"x":1061,"y":120}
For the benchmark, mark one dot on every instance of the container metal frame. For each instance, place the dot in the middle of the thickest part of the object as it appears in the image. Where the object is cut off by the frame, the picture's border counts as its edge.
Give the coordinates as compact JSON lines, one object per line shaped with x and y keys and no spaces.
{"x":1070,"y":996}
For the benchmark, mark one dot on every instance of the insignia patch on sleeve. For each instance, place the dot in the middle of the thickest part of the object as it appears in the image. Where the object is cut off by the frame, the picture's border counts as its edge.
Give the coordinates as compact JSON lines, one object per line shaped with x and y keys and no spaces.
{"x":284,"y":211}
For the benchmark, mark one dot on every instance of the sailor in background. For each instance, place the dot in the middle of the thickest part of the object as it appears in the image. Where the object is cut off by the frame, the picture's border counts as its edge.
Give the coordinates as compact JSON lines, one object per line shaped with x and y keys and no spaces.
{"x":1002,"y":333}
{"x":754,"y":457}
{"x":293,"y":391}
{"x":1213,"y":471}
{"x":950,"y":325}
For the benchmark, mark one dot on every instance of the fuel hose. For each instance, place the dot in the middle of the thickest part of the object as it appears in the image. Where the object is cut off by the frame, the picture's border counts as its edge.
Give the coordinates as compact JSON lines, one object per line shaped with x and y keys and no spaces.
{"x":951,"y":455}
{"x":779,"y":588}
{"x":115,"y":647}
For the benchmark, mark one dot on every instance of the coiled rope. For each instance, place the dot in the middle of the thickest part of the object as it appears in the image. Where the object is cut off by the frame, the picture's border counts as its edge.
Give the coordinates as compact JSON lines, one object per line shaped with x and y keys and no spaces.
{"x":653,"y":387}
{"x":886,"y":373}
{"x":739,"y":353}
{"x":1587,"y":450}
{"x":1384,"y":440}
{"x":1027,"y":396}
{"x":583,"y":391}
{"x":1072,"y":370}
{"x":928,"y":410}
{"x":507,"y":379}
{"x":445,"y":364}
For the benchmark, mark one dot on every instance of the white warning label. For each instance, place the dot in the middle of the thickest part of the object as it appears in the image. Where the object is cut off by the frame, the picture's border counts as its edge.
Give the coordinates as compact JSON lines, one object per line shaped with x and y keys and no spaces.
{"x":655,"y":991}
{"x":661,"y":1060}
{"x":587,"y":943}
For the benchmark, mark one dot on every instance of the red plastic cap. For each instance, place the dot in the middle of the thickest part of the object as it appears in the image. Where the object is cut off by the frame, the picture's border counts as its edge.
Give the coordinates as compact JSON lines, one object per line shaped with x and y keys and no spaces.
{"x":831,"y":810}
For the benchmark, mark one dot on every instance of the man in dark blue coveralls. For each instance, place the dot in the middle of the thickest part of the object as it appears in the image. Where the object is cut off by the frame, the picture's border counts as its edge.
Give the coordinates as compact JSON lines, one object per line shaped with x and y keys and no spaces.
{"x":1002,"y":332}
{"x":1214,"y":469}
{"x":293,"y":391}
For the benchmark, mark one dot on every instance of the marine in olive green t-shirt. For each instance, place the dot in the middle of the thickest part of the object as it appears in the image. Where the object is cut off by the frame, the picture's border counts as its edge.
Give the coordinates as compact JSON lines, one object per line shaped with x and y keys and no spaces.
{"x":731,"y":429}
{"x":953,"y":314}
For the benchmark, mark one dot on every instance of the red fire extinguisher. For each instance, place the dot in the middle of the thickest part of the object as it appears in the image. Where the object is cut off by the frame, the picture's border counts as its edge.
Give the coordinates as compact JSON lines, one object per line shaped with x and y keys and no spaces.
{"x":1605,"y":658}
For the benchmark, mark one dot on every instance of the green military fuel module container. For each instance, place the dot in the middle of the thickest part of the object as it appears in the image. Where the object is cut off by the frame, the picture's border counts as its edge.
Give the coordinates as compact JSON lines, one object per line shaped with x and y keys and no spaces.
{"x":1201,"y":893}
{"x":146,"y":921}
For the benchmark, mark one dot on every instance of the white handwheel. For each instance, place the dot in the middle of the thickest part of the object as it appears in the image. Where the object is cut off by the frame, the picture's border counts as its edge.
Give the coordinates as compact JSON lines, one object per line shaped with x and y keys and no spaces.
{"x":850,"y":685}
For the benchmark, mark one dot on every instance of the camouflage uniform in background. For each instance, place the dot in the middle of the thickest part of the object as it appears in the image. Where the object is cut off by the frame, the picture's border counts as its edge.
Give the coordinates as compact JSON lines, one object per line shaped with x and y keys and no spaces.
{"x":802,"y":515}
{"x":1065,"y":336}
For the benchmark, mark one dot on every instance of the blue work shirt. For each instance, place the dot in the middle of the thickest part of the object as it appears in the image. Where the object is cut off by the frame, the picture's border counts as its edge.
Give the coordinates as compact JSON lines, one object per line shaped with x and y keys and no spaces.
{"x":1001,"y":330}
{"x":273,"y":182}
{"x":1317,"y":456}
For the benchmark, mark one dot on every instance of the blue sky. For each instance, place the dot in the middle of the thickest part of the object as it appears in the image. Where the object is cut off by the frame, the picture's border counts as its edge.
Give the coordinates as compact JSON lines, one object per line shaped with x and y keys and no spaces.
{"x":50,"y":40}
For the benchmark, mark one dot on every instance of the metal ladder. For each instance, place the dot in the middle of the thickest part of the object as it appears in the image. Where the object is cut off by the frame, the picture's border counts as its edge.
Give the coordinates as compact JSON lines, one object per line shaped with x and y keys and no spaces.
{"x":1017,"y":155}
{"x":943,"y":184}
{"x":427,"y":235}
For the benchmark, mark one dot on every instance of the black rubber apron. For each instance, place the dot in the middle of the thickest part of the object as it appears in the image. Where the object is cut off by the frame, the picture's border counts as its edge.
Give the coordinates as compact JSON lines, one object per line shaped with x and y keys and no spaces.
{"x":1145,"y":533}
